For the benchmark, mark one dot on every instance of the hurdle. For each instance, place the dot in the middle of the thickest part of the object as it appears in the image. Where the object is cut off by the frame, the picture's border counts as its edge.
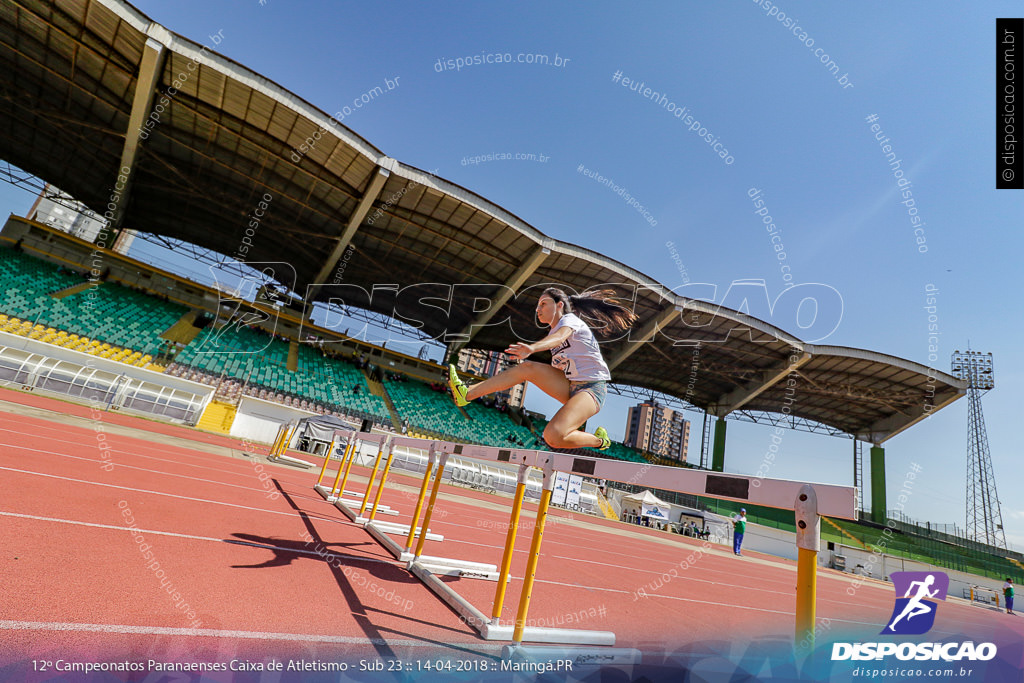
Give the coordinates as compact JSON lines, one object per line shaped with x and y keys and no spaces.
{"x":428,"y":569}
{"x":380,"y":530}
{"x":336,"y":494}
{"x":433,"y":565}
{"x":279,"y":447}
{"x":808,"y":502}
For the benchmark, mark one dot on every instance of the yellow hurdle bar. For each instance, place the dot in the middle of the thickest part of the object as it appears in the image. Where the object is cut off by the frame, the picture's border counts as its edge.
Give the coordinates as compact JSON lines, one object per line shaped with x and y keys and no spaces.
{"x":327,"y":459}
{"x":383,"y":480}
{"x":346,"y":463}
{"x":430,"y":506}
{"x":531,"y":566}
{"x":510,"y":541}
{"x":373,"y":475}
{"x":806,"y":588}
{"x":277,"y":440}
{"x":431,"y":457}
{"x":280,"y":443}
{"x":808,"y":542}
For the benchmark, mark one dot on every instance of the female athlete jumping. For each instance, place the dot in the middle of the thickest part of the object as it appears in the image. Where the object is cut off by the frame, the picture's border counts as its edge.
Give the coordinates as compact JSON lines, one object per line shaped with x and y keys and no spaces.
{"x":577,"y":376}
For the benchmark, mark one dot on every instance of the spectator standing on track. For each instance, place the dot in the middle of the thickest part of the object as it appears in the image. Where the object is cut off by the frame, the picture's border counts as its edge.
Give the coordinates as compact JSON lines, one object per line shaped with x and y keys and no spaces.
{"x":739,"y":527}
{"x":1008,"y":594}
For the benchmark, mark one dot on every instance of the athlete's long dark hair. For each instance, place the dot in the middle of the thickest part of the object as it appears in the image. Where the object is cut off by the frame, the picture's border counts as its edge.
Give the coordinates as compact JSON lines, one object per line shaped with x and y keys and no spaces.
{"x":599,"y":304}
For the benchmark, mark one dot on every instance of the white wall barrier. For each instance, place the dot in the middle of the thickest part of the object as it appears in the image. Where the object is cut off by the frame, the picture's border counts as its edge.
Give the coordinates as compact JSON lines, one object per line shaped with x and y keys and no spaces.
{"x":31,"y":364}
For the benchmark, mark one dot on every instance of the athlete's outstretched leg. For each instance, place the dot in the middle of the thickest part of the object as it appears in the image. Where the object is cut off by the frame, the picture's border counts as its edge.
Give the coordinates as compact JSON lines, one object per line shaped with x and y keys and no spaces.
{"x":549,"y":379}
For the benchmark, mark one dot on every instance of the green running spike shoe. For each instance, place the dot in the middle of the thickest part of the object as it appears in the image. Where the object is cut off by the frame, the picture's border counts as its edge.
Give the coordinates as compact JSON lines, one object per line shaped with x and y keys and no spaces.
{"x":602,"y":434}
{"x":457,"y":387}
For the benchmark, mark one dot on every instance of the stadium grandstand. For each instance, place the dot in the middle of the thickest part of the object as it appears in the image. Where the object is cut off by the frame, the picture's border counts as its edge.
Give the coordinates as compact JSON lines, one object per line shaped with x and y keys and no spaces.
{"x":239,"y":364}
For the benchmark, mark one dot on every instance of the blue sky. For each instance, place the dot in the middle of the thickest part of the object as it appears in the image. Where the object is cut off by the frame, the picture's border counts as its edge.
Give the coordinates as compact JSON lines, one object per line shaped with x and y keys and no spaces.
{"x":793,"y":130}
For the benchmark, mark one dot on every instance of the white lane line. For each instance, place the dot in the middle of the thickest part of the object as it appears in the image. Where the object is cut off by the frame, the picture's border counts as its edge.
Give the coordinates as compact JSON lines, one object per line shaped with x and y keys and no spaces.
{"x":672,"y":597}
{"x":745,"y":608}
{"x":154,"y":532}
{"x":160,"y":493}
{"x":131,"y":453}
{"x":220,"y":633}
{"x":347,"y":557}
{"x":142,"y":469}
{"x":468,"y":526}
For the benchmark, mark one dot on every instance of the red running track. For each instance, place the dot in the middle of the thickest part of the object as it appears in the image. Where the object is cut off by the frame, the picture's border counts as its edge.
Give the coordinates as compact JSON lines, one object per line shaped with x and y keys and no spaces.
{"x":218,"y":566}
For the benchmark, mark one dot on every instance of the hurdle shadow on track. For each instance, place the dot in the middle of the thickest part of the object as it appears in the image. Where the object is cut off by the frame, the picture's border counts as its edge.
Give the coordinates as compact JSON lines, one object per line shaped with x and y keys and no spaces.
{"x":285,"y":551}
{"x":357,"y":608}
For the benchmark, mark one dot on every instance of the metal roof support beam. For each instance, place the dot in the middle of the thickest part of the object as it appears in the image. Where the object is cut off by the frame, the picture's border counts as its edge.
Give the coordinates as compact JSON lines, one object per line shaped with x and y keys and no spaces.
{"x":150,"y":70}
{"x":740,"y":396}
{"x":888,"y":427}
{"x":506,"y":291}
{"x":354,"y":221}
{"x":643,"y":335}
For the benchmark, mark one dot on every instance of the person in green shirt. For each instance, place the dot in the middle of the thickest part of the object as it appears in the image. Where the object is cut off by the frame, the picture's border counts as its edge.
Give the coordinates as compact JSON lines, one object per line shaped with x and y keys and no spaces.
{"x":739,"y":527}
{"x":1008,"y":594}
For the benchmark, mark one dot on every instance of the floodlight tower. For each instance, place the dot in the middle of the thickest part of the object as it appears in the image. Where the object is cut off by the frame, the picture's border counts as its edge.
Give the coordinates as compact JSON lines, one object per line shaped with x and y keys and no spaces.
{"x":984,"y":517}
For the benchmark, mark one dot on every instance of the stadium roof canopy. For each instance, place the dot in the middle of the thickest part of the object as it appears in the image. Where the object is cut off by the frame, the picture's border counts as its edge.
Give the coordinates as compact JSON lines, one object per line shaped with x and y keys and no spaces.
{"x":81,"y":78}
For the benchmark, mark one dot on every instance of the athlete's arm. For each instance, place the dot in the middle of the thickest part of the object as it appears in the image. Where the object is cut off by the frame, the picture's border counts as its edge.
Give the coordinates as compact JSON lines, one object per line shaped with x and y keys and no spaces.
{"x":520,"y":350}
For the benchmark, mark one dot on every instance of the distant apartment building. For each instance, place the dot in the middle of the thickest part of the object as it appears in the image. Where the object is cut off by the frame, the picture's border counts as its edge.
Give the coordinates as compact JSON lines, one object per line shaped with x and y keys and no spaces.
{"x":487,"y":364}
{"x":659,"y":430}
{"x":61,"y":211}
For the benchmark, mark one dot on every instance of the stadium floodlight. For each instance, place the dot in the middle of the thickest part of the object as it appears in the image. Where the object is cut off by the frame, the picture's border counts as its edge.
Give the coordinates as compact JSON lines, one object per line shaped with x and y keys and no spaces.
{"x":984,"y":516}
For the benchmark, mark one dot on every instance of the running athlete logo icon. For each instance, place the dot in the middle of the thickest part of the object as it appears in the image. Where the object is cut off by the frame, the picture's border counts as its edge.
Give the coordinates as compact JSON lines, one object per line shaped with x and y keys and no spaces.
{"x":914,"y":613}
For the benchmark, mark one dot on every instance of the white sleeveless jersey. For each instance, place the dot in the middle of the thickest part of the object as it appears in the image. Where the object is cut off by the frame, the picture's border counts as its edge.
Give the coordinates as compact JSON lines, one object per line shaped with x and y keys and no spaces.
{"x":579,"y":356}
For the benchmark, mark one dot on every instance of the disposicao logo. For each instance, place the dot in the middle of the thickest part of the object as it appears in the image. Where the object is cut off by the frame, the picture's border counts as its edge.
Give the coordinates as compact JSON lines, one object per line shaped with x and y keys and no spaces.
{"x":917,"y":594}
{"x":914,"y":613}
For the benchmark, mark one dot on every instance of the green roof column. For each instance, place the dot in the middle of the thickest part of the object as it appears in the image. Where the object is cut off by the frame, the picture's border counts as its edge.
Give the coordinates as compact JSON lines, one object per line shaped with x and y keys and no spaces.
{"x":718,"y":449}
{"x":878,"y":484}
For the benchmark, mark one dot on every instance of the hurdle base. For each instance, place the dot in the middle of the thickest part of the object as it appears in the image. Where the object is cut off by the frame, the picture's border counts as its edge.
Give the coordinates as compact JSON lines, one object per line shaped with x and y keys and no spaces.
{"x":488,"y":631}
{"x":471,"y":615}
{"x":396,"y":550}
{"x":288,"y":460}
{"x":439,"y":565}
{"x":536,"y":634}
{"x":380,"y":530}
{"x":460,"y":572}
{"x":326,"y":493}
{"x":578,"y":656}
{"x":343,"y":505}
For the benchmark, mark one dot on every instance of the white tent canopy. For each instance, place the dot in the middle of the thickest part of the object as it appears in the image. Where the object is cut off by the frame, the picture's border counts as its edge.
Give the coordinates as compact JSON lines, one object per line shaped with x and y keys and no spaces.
{"x":650,"y":505}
